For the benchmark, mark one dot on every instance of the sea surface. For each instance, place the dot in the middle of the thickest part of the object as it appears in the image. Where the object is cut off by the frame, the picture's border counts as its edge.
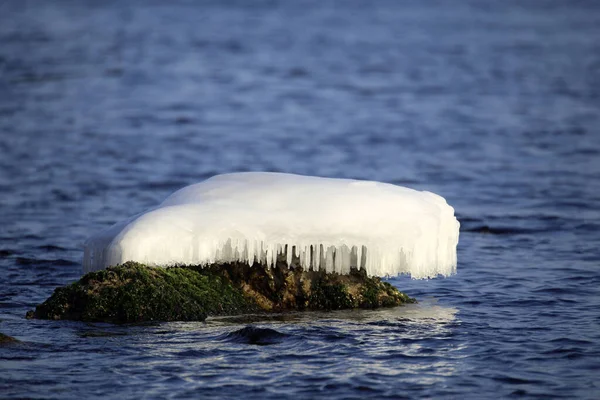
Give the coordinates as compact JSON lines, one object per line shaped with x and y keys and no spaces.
{"x":107,"y":107}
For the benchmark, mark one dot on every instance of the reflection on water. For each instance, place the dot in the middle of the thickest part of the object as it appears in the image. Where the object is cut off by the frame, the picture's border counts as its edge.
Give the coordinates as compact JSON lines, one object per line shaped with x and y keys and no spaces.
{"x":427,"y":309}
{"x":416,"y":343}
{"x":402,"y":342}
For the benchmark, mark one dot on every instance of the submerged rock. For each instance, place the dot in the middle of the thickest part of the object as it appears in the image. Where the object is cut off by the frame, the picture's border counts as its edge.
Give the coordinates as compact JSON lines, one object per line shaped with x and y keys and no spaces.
{"x":5,"y":339}
{"x":134,"y":292}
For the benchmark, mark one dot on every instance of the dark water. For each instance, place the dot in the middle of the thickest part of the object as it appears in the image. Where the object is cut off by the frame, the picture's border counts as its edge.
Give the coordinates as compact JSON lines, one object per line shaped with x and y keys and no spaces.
{"x":108,"y":107}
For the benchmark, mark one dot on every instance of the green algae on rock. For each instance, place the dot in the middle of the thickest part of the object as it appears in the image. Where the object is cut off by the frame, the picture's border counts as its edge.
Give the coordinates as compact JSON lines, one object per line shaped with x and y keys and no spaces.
{"x":134,"y":292}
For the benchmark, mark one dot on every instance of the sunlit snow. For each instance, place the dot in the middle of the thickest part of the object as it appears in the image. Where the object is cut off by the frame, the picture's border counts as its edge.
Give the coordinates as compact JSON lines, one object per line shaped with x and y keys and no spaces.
{"x":319,"y":223}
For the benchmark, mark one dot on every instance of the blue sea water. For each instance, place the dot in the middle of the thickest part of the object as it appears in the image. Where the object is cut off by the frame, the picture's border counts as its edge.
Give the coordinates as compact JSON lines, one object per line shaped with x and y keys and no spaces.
{"x":106,"y":107}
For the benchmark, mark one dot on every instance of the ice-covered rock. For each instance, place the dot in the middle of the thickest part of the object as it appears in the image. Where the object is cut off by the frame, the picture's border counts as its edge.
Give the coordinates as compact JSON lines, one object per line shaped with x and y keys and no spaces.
{"x":317,"y":223}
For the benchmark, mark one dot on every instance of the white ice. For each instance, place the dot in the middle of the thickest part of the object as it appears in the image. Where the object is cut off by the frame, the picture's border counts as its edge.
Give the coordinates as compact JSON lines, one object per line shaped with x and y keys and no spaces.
{"x":320,"y":223}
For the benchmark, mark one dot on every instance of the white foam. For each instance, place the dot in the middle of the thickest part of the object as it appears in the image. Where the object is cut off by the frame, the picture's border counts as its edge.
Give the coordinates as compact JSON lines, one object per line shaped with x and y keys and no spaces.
{"x":331,"y":224}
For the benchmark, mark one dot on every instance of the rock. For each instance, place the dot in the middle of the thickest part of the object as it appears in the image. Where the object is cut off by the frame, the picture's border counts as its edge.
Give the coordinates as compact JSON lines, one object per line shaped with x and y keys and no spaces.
{"x":284,"y":288}
{"x":5,"y":339}
{"x":134,"y":292}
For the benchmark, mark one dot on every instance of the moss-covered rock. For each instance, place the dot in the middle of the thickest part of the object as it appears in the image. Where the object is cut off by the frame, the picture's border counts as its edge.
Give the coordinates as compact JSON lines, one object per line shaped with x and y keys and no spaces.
{"x":133,"y":292}
{"x":356,"y":290}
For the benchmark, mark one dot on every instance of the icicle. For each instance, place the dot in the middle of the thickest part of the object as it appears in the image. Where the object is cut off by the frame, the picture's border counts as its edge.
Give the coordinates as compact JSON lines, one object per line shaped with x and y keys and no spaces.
{"x":337,"y":259}
{"x":289,"y":252}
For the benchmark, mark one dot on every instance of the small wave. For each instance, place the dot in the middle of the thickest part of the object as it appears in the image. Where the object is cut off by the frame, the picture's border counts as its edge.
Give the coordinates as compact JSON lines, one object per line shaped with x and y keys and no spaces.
{"x":569,"y":353}
{"x":557,"y":290}
{"x":571,"y":342}
{"x":41,"y":261}
{"x":513,"y":380}
{"x":50,"y":247}
{"x":101,"y":334}
{"x":500,"y":230}
{"x":193,"y":353}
